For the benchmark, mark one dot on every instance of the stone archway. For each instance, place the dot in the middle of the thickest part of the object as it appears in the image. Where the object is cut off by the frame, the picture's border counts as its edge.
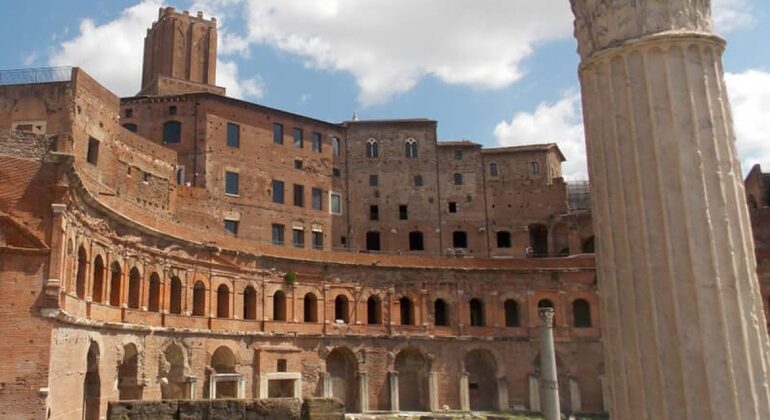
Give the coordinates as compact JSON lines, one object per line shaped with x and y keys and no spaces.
{"x":341,"y":368}
{"x":129,"y":387}
{"x":223,"y":363}
{"x":482,"y":380}
{"x":413,"y":369}
{"x":92,"y":384}
{"x":173,"y":385}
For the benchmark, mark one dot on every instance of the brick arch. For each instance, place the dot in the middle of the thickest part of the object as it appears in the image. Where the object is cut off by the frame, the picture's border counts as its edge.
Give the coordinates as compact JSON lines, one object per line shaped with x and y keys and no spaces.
{"x":413,"y":366}
{"x":342,"y":365}
{"x":173,"y":366}
{"x":483,"y":369}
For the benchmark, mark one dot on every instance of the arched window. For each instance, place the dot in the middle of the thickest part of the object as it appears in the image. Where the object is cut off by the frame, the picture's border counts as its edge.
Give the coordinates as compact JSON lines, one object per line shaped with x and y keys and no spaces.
{"x":459,"y":239}
{"x":341,"y":309}
{"x":134,"y":288}
{"x":249,"y":303}
{"x":223,"y":301}
{"x":538,"y":241}
{"x":411,"y":148}
{"x":97,"y":291}
{"x":115,"y":284}
{"x":373,"y":310}
{"x":503,"y":239}
{"x":534,"y":168}
{"x":546,"y":303}
{"x":372,"y":148}
{"x":153,"y":300}
{"x":199,"y":299}
{"x":172,"y":132}
{"x":581,"y":313}
{"x":279,"y":306}
{"x":311,"y":308}
{"x":416,"y":241}
{"x":440,"y":313}
{"x":511,"y":313}
{"x":477,"y":313}
{"x":407,"y":311}
{"x":80,"y":276}
{"x":175,"y":304}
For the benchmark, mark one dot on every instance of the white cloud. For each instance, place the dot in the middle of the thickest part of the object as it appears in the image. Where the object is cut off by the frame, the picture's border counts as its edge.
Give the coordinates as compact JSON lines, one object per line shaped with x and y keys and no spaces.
{"x":560,"y":122}
{"x":750,"y":99}
{"x":112,"y":53}
{"x":390,"y":45}
{"x":730,"y":15}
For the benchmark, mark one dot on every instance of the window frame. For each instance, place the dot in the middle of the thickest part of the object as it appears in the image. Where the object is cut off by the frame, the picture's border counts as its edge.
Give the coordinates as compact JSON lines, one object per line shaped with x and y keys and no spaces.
{"x":317,"y":140}
{"x":298,"y":195}
{"x":234,"y":224}
{"x":233,"y":135}
{"x":332,"y":196}
{"x":278,"y":234}
{"x":228,"y":178}
{"x":298,"y":138}
{"x":278,"y":185}
{"x":277,"y":133}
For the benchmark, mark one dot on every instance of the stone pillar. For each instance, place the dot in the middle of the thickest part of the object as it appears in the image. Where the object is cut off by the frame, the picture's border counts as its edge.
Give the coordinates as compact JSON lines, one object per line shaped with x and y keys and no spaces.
{"x":575,"y":400}
{"x":363,"y":391}
{"x":682,"y":321}
{"x":393,"y":378}
{"x":433,"y":402}
{"x":503,"y":403}
{"x":465,"y":399}
{"x":327,"y":388}
{"x":549,"y":381}
{"x":534,"y":394}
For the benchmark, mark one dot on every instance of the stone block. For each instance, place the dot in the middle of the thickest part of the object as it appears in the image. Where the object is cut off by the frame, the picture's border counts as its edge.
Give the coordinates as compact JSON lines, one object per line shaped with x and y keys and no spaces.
{"x":323,"y":409}
{"x":142,"y":410}
{"x":274,"y":408}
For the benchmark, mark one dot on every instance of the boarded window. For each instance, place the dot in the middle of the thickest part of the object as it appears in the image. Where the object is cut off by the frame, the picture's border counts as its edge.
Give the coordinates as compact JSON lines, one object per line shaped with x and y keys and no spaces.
{"x":172,"y":132}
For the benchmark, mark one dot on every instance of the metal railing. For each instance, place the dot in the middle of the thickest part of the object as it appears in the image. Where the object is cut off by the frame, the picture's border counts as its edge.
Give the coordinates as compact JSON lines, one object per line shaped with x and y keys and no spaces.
{"x":37,"y":75}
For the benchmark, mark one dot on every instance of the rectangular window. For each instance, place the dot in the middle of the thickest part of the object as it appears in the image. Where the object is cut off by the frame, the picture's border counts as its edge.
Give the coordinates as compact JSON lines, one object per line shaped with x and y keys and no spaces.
{"x":373,"y":180}
{"x":458,"y":154}
{"x":317,"y":199}
{"x":336,"y":172}
{"x":452,"y":207}
{"x":129,"y":113}
{"x":492,"y":169}
{"x":297,"y":164}
{"x":277,"y":133}
{"x":418,"y":180}
{"x":298,"y":138}
{"x":458,"y":179}
{"x":231,"y":226}
{"x":335,"y":146}
{"x":278,"y":192}
{"x":317,"y":146}
{"x":374,"y":212}
{"x":298,"y":237}
{"x":403,"y":212}
{"x":299,"y":195}
{"x":231,"y":183}
{"x":172,"y":110}
{"x":335,"y":203}
{"x":92,"y":155}
{"x":318,"y":240}
{"x":233,"y":135}
{"x":277,"y":234}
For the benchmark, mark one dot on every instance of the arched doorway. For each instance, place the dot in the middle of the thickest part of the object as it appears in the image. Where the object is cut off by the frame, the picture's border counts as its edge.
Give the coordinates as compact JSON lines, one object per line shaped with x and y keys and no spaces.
{"x":92,"y":384}
{"x":172,"y":385}
{"x":279,"y":306}
{"x":310,"y":308}
{"x":341,"y":311}
{"x":482,"y":380}
{"x":223,"y":361}
{"x":341,"y":367}
{"x":128,"y":375}
{"x":413,"y":368}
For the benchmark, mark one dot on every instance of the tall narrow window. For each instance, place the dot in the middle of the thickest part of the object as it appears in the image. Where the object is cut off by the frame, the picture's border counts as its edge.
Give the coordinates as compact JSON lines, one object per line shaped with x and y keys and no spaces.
{"x":407,"y":311}
{"x":416,"y":241}
{"x":318,"y":240}
{"x":298,"y":237}
{"x":335,"y":203}
{"x":411,"y":148}
{"x":459,"y":239}
{"x":372,"y":241}
{"x":317,"y":198}
{"x":403,"y":212}
{"x":299,"y":195}
{"x":418,"y":180}
{"x":511,"y":313}
{"x":477,"y":313}
{"x":199,"y":299}
{"x":279,"y":306}
{"x":153,"y":298}
{"x":458,"y":179}
{"x":92,"y":155}
{"x":175,"y":304}
{"x":277,"y":234}
{"x":223,"y":301}
{"x":341,"y":313}
{"x":372,"y":148}
{"x":373,"y":180}
{"x":440,"y":313}
{"x":581,"y":313}
{"x":233,"y":135}
{"x":534,"y":168}
{"x":278,"y":192}
{"x":458,"y":154}
{"x":335,"y":146}
{"x":374,"y":212}
{"x":317,"y":144}
{"x":493,"y":169}
{"x":373,"y":310}
{"x":249,"y":303}
{"x":277,"y":133}
{"x":231,"y":183}
{"x":298,"y":138}
{"x":310,"y":308}
{"x":172,"y":132}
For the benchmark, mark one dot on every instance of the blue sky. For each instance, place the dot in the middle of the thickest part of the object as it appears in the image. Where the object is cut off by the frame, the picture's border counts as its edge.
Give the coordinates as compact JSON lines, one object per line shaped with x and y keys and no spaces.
{"x":499,"y":72}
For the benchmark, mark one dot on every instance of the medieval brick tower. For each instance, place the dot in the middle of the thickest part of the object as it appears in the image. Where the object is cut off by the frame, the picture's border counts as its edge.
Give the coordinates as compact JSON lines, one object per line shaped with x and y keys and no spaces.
{"x":180,"y":54}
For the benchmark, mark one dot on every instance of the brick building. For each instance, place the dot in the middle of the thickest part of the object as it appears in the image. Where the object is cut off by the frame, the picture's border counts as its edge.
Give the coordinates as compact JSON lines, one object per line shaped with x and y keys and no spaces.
{"x":184,"y":244}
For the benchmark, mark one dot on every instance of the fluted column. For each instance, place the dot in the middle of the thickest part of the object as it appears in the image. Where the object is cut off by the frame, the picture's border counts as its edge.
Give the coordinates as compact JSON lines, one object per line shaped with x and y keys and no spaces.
{"x":682,"y":319}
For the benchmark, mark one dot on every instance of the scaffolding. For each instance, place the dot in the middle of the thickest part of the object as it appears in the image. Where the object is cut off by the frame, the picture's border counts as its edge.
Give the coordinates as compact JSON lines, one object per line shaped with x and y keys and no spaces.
{"x":37,"y":75}
{"x":578,"y":196}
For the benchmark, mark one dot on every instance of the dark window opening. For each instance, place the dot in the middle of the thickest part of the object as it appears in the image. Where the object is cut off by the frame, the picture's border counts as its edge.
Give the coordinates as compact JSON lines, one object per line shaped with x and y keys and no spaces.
{"x":503,"y":239}
{"x":374,"y":212}
{"x":298,"y":138}
{"x":492,"y":169}
{"x":278,"y":192}
{"x":317,"y":144}
{"x":418,"y":180}
{"x":128,"y":112}
{"x":223,"y":301}
{"x":373,"y":310}
{"x":336,"y":172}
{"x":130,"y":127}
{"x":534,"y":168}
{"x":411,"y":149}
{"x":277,"y":234}
{"x":538,"y":241}
{"x":172,"y":132}
{"x":372,"y":241}
{"x":92,"y":155}
{"x":458,"y":179}
{"x":407,"y":311}
{"x":233,"y":135}
{"x":441,"y":313}
{"x":459,"y":239}
{"x":452,"y":207}
{"x":298,"y":238}
{"x":318,"y":240}
{"x":317,"y":198}
{"x":581,"y":312}
{"x":231,"y":183}
{"x":279,"y":306}
{"x":299,"y":195}
{"x":416,"y":241}
{"x":477,"y":313}
{"x":249,"y":303}
{"x":403,"y":212}
{"x":372,"y":150}
{"x":297,"y":164}
{"x":458,"y":155}
{"x":231,"y":226}
{"x":341,"y":309}
{"x":511,"y":313}
{"x":199,"y":299}
{"x":277,"y":133}
{"x":281,"y":366}
{"x":373,"y":180}
{"x":310,"y":308}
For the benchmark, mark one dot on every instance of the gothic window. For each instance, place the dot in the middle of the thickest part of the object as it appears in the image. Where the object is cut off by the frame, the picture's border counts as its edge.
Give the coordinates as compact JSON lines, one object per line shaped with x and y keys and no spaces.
{"x":372,"y":149}
{"x":411,"y":148}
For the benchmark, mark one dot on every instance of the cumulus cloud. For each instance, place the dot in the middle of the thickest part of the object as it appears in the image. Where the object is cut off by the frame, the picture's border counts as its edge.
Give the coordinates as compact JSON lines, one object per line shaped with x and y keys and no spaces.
{"x":112,"y":53}
{"x":562,"y":122}
{"x":730,"y":15}
{"x":750,"y":99}
{"x":388,"y":50}
{"x":558,"y":122}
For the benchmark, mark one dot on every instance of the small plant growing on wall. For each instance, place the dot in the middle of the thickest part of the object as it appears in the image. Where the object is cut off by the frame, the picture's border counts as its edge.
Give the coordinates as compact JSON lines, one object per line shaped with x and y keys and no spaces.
{"x":290,"y":277}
